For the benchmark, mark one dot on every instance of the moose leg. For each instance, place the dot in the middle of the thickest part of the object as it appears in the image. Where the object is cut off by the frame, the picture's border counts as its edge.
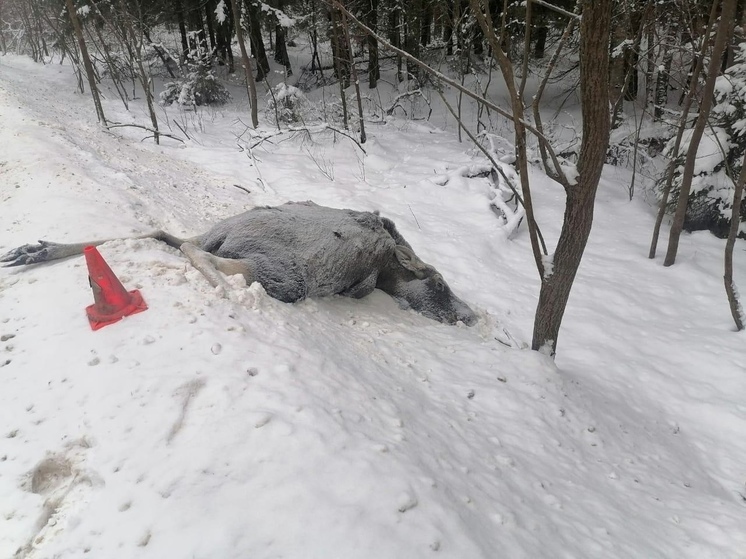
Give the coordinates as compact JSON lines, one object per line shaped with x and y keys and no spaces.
{"x":210,"y":266}
{"x":43,"y":251}
{"x":46,"y":251}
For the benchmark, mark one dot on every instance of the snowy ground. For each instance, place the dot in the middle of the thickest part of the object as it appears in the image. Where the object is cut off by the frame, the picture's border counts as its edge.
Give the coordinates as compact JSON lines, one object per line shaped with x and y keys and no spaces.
{"x":347,"y":428}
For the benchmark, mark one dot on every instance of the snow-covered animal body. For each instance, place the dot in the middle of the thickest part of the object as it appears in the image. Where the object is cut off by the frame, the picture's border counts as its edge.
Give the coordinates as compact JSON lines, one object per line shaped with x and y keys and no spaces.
{"x":301,"y":250}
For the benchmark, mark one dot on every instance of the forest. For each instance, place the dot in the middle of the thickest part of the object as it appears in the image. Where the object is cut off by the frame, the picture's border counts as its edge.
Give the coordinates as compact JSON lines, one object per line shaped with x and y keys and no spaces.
{"x":674,"y":67}
{"x":571,"y":172}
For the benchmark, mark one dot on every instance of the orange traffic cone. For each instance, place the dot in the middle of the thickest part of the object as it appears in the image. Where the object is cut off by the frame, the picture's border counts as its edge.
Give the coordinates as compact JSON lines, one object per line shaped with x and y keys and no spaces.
{"x":112,"y":301}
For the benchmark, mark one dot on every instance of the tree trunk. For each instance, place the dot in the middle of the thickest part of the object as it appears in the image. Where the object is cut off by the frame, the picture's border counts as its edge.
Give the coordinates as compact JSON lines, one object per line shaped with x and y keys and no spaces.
{"x":374,"y":69}
{"x":210,"y":21}
{"x":484,"y":18}
{"x":725,"y":28}
{"x":735,"y":222}
{"x":3,"y":44}
{"x":632,"y":83}
{"x":223,"y":37}
{"x":594,"y":91}
{"x":650,"y":59}
{"x":179,"y":9}
{"x":448,"y":27}
{"x":86,"y":61}
{"x":540,"y":35}
{"x":195,"y":24}
{"x":413,"y":35}
{"x":356,"y":81}
{"x":683,"y":119}
{"x":664,"y":72}
{"x":341,"y":53}
{"x":342,"y":74}
{"x":535,"y":104}
{"x":426,"y":22}
{"x":257,"y":43}
{"x":315,"y":60}
{"x":395,"y":37}
{"x":250,"y":83}
{"x":136,"y":47}
{"x":637,"y":18}
{"x":526,"y":48}
{"x":281,"y":49}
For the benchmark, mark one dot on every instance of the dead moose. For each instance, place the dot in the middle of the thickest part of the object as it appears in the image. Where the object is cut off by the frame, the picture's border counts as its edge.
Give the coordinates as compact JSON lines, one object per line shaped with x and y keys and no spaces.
{"x":299,"y":250}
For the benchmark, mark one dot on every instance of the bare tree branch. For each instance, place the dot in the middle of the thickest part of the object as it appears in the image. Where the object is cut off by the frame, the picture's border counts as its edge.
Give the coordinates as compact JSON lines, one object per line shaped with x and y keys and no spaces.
{"x":442,"y":77}
{"x":154,"y":132}
{"x":557,"y":9}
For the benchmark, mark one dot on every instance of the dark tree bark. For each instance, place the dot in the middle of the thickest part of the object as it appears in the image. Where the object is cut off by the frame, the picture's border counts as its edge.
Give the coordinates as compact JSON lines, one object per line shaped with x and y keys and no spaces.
{"x":448,"y":24}
{"x":374,"y":69}
{"x":223,"y":37}
{"x":210,"y":21}
{"x":683,"y":119}
{"x":632,"y":55}
{"x":594,"y":90}
{"x":395,"y":36}
{"x":3,"y":45}
{"x":725,"y":30}
{"x":86,"y":60}
{"x":632,"y":83}
{"x":356,"y":81}
{"x":413,"y":34}
{"x":664,"y":72}
{"x":484,"y":18}
{"x":540,"y":36}
{"x":650,"y":59}
{"x":257,"y":43}
{"x":179,"y":9}
{"x":735,"y":222}
{"x":341,"y":51}
{"x":196,"y":25}
{"x":281,"y":49}
{"x":315,"y":59}
{"x":134,"y":41}
{"x":250,"y":83}
{"x":30,"y":33}
{"x":426,"y":22}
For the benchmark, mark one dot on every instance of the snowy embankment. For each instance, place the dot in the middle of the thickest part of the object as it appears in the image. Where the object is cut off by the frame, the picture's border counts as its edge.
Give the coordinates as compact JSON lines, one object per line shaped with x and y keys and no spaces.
{"x":203,"y":428}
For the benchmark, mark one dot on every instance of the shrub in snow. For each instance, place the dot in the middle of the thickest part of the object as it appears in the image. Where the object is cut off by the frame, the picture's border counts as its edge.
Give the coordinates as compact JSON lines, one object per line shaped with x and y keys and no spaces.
{"x":288,"y":104}
{"x":719,"y":157}
{"x":200,"y":87}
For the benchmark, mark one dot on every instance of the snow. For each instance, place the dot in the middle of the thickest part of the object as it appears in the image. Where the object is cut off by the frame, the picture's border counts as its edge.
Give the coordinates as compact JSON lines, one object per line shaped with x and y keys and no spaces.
{"x":281,"y":17}
{"x":221,"y":12}
{"x":209,"y":427}
{"x":710,"y":149}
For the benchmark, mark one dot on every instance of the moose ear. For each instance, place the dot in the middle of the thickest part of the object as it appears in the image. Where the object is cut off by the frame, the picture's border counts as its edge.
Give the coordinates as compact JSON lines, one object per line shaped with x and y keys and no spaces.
{"x":410,"y":261}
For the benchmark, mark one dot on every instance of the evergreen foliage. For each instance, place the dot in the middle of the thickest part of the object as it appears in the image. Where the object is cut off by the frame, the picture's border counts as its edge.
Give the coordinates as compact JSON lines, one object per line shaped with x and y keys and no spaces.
{"x":288,"y":104}
{"x":199,"y":87}
{"x":719,"y":158}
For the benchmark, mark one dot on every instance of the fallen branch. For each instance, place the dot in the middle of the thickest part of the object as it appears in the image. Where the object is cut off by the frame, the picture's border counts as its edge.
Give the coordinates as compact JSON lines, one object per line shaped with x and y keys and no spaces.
{"x":532,"y":225}
{"x":181,"y":128}
{"x":307,"y":130}
{"x":246,"y":190}
{"x":398,"y":98}
{"x":338,"y":131}
{"x":147,"y":128}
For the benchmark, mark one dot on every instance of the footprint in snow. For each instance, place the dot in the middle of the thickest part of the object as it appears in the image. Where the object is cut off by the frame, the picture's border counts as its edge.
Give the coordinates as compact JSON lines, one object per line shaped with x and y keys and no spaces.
{"x":62,"y":481}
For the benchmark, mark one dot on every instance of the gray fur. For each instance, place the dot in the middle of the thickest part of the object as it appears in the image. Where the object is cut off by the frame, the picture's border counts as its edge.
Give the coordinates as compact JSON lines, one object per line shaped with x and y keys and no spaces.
{"x":301,"y":250}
